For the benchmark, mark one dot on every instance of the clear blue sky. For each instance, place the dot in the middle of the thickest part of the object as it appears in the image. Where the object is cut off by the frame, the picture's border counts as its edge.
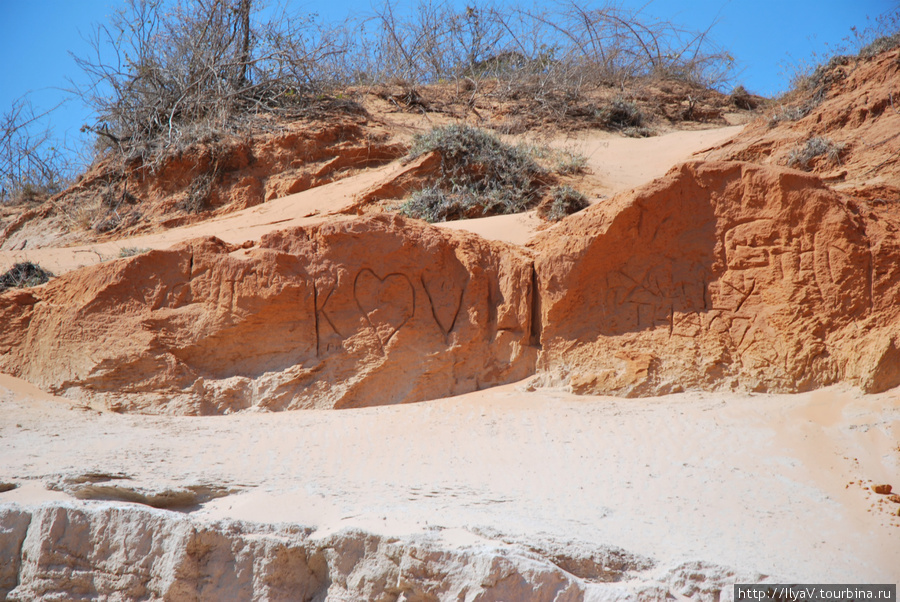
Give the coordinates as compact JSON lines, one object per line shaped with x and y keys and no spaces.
{"x":36,"y":37}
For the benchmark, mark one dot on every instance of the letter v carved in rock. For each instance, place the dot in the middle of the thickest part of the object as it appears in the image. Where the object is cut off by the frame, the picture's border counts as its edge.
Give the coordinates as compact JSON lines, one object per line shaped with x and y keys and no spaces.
{"x":445,"y":299}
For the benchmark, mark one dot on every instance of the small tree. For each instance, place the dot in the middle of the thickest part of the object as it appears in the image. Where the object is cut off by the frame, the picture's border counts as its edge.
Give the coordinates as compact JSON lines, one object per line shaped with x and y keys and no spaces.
{"x":164,"y":73}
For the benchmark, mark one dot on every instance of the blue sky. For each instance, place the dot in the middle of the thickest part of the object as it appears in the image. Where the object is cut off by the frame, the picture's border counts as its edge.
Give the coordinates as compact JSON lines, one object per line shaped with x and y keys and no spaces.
{"x":36,"y":37}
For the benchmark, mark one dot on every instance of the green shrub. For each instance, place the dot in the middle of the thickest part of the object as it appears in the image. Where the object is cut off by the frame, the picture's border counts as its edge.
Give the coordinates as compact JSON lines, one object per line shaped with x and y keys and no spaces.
{"x":23,"y":275}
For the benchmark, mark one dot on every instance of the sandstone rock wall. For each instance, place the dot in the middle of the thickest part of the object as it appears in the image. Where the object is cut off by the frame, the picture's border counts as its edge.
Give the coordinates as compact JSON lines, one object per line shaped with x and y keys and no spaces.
{"x":101,"y":552}
{"x":357,"y":312}
{"x":202,"y":181}
{"x":720,"y":275}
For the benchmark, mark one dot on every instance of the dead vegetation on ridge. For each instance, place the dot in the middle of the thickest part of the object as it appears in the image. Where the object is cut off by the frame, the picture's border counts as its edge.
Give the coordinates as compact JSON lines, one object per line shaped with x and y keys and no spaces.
{"x":203,"y":76}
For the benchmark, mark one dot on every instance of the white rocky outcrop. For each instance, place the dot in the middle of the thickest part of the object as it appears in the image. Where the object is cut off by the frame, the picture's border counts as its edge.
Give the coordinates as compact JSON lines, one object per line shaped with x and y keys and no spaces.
{"x":102,"y":551}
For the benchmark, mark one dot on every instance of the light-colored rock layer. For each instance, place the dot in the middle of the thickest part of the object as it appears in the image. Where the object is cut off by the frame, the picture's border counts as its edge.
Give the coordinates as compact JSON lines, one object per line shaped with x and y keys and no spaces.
{"x":721,"y":275}
{"x":103,"y":552}
{"x":356,"y":312}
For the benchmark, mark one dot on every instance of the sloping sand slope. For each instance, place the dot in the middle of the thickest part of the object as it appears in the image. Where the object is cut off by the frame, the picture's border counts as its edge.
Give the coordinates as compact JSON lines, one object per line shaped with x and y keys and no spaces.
{"x":619,"y":163}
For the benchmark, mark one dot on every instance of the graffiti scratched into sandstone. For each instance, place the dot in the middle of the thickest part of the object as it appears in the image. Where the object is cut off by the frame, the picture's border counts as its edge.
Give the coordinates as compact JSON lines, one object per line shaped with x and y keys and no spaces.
{"x":386,"y":304}
{"x":445,"y":300}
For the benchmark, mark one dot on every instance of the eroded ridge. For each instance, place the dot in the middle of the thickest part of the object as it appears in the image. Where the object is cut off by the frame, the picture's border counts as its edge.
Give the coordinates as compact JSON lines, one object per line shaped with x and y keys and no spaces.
{"x":359,"y":312}
{"x":720,"y":275}
{"x":56,"y":551}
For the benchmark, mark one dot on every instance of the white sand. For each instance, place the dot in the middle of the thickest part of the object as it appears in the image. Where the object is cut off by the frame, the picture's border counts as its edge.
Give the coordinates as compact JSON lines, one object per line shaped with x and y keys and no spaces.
{"x":755,"y":482}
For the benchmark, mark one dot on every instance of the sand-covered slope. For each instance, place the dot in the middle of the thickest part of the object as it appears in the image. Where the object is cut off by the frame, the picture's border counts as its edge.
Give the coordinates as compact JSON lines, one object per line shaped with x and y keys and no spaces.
{"x":852,"y":106}
{"x":503,"y":494}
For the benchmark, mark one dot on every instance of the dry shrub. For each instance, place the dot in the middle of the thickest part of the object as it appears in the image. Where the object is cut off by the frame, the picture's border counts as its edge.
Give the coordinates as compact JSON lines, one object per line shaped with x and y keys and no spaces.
{"x":185,"y":69}
{"x":198,"y":195}
{"x":33,"y":166}
{"x":24,"y":274}
{"x":564,"y":200}
{"x":478,"y":175}
{"x":742,"y":99}
{"x":817,"y":146}
{"x":792,"y":113}
{"x":132,"y":251}
{"x":620,"y":114}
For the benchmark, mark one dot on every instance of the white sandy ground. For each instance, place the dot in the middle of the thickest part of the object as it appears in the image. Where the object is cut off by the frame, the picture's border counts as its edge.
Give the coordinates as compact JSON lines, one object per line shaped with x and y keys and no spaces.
{"x":617,"y":163}
{"x":755,"y":482}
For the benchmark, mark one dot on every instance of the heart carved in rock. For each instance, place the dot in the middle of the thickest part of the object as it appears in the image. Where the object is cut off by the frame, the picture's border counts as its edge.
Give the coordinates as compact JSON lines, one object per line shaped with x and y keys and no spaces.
{"x":388,"y":303}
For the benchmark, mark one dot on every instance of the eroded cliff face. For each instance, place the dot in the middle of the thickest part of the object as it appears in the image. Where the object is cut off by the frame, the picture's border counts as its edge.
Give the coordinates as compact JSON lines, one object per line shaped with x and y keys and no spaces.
{"x":358,"y":312}
{"x":101,"y":552}
{"x":721,"y":275}
{"x":112,"y":201}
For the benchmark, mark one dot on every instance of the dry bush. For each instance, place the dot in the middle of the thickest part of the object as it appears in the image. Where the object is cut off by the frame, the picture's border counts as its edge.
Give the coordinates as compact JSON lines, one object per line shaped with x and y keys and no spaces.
{"x":817,"y":146}
{"x":789,"y":113}
{"x":33,"y":165}
{"x":567,"y":162}
{"x":132,"y":251}
{"x":186,"y":70}
{"x":813,"y":77}
{"x":545,"y":56}
{"x":189,"y":70}
{"x":564,"y":200}
{"x":478,"y":175}
{"x":620,"y":114}
{"x":742,"y":99}
{"x":24,"y":274}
